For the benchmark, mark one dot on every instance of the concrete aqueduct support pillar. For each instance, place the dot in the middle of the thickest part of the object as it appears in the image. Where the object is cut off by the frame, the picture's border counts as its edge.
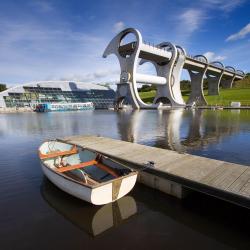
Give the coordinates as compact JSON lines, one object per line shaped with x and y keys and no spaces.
{"x":227,"y":81}
{"x":214,"y":79}
{"x":168,"y":61}
{"x":197,"y":77}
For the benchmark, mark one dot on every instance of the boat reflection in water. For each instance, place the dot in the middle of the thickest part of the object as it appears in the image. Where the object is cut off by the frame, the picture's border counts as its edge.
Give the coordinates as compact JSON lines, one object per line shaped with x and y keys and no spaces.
{"x":94,"y":220}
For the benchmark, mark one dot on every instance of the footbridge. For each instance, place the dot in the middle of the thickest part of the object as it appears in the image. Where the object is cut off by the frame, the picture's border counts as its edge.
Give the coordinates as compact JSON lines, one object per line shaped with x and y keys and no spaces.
{"x":169,"y":60}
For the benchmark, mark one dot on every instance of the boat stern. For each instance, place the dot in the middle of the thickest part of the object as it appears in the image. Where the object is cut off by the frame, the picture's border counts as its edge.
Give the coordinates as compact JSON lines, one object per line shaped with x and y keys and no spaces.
{"x":113,"y":190}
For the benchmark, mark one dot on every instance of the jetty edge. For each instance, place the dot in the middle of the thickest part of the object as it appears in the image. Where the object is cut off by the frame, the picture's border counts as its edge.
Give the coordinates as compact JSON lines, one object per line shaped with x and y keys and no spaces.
{"x":175,"y":173}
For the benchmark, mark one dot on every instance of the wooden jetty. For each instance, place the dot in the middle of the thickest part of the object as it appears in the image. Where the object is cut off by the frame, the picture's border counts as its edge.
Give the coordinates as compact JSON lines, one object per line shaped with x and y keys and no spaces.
{"x":175,"y":173}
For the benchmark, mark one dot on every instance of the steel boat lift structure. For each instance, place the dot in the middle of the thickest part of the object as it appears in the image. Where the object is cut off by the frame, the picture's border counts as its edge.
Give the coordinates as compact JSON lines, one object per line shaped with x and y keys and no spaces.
{"x":168,"y":60}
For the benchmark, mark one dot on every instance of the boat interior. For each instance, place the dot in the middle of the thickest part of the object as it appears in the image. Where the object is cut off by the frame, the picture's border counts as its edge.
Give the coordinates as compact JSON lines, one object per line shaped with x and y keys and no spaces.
{"x":80,"y":164}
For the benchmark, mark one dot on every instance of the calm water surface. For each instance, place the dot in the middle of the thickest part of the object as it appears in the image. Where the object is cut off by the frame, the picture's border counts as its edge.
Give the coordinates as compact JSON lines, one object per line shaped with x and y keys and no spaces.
{"x":34,"y":214}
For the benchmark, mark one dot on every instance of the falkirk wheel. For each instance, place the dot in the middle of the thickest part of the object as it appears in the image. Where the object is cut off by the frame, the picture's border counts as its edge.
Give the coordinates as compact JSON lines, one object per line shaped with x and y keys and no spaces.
{"x":169,"y":60}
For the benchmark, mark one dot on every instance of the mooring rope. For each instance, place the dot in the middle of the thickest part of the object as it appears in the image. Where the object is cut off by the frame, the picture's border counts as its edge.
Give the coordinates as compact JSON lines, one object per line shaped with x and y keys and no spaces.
{"x":149,"y":164}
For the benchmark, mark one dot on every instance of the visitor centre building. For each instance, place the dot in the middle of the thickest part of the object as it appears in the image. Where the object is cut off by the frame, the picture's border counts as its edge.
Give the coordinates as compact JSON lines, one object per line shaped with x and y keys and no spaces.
{"x":30,"y":94}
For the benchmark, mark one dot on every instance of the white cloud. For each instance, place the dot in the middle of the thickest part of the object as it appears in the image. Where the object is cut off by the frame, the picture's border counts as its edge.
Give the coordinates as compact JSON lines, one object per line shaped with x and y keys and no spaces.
{"x":119,"y":26}
{"x":97,"y":76}
{"x":241,"y":34}
{"x":187,"y":22}
{"x":192,"y":19}
{"x":238,"y":56}
{"x":211,"y":56}
{"x":31,"y":51}
{"x":225,"y":5}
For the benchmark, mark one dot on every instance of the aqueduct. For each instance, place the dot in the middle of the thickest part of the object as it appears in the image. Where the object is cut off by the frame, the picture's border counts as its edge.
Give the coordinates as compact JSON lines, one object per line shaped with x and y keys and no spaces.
{"x":168,"y":60}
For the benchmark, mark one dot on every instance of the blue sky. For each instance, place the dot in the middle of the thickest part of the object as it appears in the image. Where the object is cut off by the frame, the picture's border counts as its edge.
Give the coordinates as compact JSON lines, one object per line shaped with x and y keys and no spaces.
{"x":65,"y":39}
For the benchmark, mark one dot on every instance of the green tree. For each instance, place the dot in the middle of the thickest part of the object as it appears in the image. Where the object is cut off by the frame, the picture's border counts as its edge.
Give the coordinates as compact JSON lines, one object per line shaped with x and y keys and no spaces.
{"x":2,"y":87}
{"x":185,"y":85}
{"x":146,"y":88}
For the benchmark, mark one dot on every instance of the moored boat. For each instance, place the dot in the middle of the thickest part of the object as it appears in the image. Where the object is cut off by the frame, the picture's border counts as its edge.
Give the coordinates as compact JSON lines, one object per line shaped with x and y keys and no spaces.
{"x":85,"y":174}
{"x":49,"y":107}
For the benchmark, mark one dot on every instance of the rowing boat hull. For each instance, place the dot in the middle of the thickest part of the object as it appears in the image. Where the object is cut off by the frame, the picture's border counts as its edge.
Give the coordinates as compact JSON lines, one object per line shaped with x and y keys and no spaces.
{"x":99,"y":195}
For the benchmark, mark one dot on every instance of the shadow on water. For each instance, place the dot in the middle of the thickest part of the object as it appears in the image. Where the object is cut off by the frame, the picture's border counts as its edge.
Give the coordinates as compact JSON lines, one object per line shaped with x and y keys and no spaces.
{"x":221,"y":221}
{"x":93,"y":220}
{"x":152,"y":219}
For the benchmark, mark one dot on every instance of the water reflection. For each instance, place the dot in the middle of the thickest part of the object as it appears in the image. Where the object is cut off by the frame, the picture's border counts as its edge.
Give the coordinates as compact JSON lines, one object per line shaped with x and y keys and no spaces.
{"x":93,"y":220}
{"x":178,"y":130}
{"x":57,"y":124}
{"x":155,"y":220}
{"x":219,"y":134}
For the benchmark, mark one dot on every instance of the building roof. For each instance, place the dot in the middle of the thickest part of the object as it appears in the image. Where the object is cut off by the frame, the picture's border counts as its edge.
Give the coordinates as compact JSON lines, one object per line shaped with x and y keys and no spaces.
{"x":63,"y":85}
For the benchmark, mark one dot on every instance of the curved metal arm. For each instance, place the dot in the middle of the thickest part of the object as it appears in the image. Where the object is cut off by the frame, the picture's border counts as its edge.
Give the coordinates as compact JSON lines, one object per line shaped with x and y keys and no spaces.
{"x":241,"y":72}
{"x":181,"y":49}
{"x":170,"y":47}
{"x":113,"y":46}
{"x":230,"y":68}
{"x":201,"y":56}
{"x":220,"y":63}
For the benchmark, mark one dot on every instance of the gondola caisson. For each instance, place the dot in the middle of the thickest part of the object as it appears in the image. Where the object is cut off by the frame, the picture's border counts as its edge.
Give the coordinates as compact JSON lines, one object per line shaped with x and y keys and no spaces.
{"x":85,"y":174}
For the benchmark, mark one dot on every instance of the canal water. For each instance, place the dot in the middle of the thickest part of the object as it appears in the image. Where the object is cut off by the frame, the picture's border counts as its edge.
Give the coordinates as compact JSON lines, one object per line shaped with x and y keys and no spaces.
{"x":34,"y":214}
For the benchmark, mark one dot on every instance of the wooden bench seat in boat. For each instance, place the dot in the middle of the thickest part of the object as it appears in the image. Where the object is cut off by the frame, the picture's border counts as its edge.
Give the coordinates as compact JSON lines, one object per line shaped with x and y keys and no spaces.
{"x":72,"y":151}
{"x":86,"y":164}
{"x":76,"y":166}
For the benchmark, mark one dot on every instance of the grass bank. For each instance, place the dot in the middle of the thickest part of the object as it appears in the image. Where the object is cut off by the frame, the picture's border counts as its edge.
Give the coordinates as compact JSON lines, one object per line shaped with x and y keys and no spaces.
{"x":225,"y":98}
{"x":239,"y":93}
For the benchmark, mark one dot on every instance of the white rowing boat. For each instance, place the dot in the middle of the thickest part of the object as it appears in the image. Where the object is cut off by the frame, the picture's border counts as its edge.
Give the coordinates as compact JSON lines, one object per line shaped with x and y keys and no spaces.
{"x":85,"y":174}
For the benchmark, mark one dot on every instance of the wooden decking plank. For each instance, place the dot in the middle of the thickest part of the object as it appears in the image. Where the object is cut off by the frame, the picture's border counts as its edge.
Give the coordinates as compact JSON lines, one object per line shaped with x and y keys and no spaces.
{"x":154,"y":153}
{"x":84,"y":143}
{"x":144,"y":154}
{"x":246,"y":189}
{"x":101,"y":146}
{"x":82,"y":138}
{"x":169,"y":163}
{"x":239,"y":185}
{"x":215,"y":177}
{"x":137,"y":153}
{"x":144,"y":159}
{"x":230,"y":172}
{"x":194,"y":168}
{"x":118,"y":150}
